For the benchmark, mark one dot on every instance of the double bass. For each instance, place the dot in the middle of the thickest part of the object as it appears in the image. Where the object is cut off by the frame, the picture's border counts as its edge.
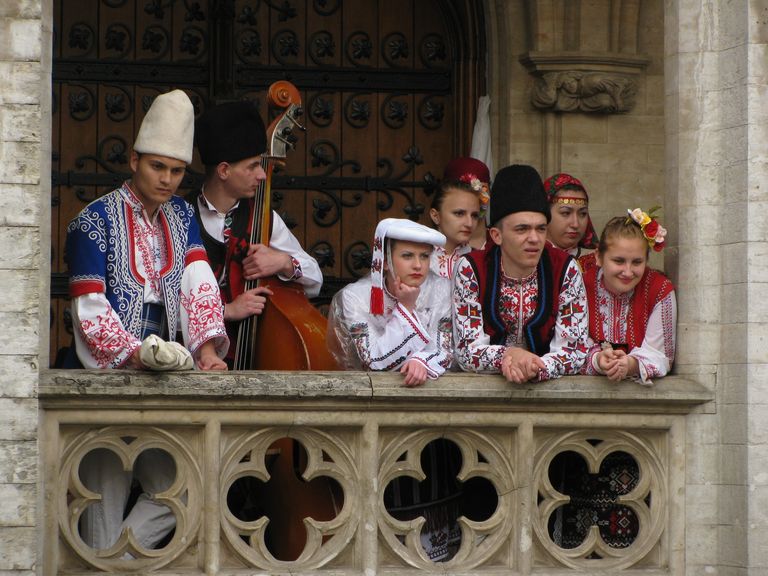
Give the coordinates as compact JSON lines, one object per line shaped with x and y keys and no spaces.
{"x":288,"y":335}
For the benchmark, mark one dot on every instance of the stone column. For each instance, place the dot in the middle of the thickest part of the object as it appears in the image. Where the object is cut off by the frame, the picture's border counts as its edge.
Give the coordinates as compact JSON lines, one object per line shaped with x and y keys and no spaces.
{"x":716,"y":174}
{"x":25,"y":40}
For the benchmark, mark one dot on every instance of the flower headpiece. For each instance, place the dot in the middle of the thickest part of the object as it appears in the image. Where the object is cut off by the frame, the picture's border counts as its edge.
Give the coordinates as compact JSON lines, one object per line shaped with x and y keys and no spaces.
{"x":480,"y":187}
{"x":654,"y":232}
{"x":473,"y":172}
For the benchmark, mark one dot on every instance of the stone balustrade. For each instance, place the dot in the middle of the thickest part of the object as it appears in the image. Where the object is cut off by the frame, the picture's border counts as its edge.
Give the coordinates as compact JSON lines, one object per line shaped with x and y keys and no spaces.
{"x":360,"y":431}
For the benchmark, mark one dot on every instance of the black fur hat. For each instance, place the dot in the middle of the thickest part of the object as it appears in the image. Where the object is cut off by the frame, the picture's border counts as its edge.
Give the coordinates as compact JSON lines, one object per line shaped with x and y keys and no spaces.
{"x":517,"y":188}
{"x":230,"y":132}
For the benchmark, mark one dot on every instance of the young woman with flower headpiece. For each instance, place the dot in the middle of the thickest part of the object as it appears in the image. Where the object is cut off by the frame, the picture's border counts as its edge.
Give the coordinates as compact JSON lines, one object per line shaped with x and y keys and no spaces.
{"x":632,"y":308}
{"x":632,"y":316}
{"x":457,"y":209}
{"x":570,"y":228}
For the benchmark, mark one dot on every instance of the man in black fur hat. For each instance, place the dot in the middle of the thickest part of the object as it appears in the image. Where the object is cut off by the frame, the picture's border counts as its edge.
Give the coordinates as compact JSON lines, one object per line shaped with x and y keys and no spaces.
{"x":231,"y":140}
{"x":520,"y":307}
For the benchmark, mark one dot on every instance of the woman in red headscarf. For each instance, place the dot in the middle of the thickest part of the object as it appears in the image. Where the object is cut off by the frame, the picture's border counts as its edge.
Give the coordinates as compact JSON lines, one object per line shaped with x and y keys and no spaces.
{"x":457,"y":208}
{"x":571,"y":227}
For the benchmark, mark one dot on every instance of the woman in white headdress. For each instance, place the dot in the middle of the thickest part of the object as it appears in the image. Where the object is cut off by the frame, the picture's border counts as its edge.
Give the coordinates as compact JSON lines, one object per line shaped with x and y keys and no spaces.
{"x":398,"y":317}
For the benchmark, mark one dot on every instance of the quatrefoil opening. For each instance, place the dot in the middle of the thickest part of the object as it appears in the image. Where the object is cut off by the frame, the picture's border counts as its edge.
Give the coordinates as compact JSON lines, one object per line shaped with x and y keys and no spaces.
{"x":286,"y":508}
{"x":594,"y":500}
{"x":130,"y":508}
{"x":441,"y":498}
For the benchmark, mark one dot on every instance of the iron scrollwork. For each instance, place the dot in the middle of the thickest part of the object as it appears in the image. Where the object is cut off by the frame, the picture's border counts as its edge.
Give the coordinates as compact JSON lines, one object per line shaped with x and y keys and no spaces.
{"x":325,"y":153}
{"x":285,"y":45}
{"x":431,"y":113}
{"x":394,"y":113}
{"x":357,"y":258}
{"x":326,"y":7}
{"x":322,"y":47}
{"x":82,"y":104}
{"x":395,"y":50}
{"x":359,"y":47}
{"x":432,"y":50}
{"x":112,"y":150}
{"x":321,"y":108}
{"x":156,"y":40}
{"x":118,"y":38}
{"x":119,"y":104}
{"x":285,"y":11}
{"x":81,"y":37}
{"x":357,"y":111}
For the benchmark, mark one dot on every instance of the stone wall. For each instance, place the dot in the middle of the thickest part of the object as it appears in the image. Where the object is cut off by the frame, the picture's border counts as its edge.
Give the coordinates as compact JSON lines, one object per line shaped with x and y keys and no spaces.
{"x":24,"y":230}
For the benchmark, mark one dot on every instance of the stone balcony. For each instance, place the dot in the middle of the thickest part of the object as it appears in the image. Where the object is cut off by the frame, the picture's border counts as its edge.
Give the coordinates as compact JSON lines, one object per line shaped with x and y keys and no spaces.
{"x":361,"y":431}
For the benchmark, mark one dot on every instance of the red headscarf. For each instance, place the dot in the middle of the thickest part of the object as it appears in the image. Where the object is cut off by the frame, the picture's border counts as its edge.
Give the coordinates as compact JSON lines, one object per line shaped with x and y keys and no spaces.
{"x":562,"y":181}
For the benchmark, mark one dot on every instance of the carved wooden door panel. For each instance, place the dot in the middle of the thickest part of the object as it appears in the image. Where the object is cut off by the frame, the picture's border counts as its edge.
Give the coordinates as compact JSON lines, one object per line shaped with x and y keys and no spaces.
{"x":383,"y":110}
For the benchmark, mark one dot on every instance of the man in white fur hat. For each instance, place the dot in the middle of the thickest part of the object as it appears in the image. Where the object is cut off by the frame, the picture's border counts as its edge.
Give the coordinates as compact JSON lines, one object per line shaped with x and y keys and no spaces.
{"x":138,"y":270}
{"x":136,"y":261}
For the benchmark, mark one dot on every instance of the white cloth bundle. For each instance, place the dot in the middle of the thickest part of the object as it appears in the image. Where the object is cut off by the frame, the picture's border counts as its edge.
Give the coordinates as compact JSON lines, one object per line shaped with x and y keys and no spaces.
{"x":157,"y":354}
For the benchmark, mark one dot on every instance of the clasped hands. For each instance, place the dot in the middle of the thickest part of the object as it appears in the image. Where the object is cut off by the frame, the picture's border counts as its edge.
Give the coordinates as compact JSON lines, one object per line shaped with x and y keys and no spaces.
{"x":616,"y":364}
{"x":520,"y":366}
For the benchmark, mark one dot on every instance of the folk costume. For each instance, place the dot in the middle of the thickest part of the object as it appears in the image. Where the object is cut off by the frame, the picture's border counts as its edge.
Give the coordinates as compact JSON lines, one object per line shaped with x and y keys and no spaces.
{"x":643,"y":321}
{"x":133,"y":275}
{"x":229,"y":133}
{"x":544,"y":313}
{"x":470,"y":172}
{"x":232,"y":132}
{"x":368,"y":329}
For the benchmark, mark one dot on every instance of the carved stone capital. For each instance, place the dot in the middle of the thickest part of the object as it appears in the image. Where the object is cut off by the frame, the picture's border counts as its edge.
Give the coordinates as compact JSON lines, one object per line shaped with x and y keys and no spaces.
{"x":576,"y":91}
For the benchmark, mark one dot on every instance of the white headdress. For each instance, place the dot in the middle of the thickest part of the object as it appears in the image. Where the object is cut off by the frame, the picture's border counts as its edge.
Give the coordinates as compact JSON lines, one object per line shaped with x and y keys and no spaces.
{"x":168,"y":129}
{"x":396,"y":229}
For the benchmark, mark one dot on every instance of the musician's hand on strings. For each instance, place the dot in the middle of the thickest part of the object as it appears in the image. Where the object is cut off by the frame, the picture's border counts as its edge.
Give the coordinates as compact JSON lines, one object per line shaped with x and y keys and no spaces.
{"x":263,"y":261}
{"x":247,"y":304}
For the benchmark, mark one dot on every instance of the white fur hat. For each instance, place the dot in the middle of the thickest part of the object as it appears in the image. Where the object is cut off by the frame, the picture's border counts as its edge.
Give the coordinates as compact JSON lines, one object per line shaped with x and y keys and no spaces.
{"x":168,"y":129}
{"x":397,"y":229}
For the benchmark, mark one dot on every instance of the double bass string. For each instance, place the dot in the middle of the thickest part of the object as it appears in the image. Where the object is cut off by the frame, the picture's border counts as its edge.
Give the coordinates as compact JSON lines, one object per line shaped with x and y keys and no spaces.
{"x":247,"y":328}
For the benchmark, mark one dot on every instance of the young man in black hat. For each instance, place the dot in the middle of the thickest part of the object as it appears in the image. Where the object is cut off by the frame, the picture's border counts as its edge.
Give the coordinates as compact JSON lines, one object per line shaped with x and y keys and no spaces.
{"x":231,"y":139}
{"x":520,"y":307}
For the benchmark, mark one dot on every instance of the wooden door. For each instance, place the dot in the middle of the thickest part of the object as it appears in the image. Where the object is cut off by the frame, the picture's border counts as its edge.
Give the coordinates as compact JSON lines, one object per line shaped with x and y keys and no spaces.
{"x":389,"y":89}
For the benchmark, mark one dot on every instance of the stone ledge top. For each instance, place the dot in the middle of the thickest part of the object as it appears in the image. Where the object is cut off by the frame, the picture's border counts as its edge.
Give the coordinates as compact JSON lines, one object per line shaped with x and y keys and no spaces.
{"x":356,"y":390}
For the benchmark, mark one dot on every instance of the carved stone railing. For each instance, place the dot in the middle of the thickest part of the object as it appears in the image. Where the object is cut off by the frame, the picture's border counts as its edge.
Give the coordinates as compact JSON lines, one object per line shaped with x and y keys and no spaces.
{"x":361,"y":431}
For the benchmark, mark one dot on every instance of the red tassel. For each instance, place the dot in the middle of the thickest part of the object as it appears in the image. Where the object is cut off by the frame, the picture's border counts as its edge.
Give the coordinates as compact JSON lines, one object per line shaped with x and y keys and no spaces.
{"x":377,"y":300}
